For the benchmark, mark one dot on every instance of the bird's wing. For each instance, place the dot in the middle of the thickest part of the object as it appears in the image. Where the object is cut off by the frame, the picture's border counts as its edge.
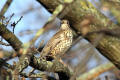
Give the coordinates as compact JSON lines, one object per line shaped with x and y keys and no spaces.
{"x":56,"y":39}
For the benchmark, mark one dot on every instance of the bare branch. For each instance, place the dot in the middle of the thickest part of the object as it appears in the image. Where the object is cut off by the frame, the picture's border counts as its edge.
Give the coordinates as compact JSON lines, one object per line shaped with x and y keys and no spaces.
{"x":5,"y":7}
{"x":92,"y":74}
{"x":30,"y":59}
{"x":115,"y":32}
{"x":2,"y":43}
{"x":108,"y":46}
{"x":15,"y":23}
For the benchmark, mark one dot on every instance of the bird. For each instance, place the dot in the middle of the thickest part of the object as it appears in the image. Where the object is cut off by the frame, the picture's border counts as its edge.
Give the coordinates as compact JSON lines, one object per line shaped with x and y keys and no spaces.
{"x":59,"y":43}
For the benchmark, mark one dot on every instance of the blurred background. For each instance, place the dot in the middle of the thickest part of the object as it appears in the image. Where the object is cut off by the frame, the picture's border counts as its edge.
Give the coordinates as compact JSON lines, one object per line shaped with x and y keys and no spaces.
{"x":34,"y":18}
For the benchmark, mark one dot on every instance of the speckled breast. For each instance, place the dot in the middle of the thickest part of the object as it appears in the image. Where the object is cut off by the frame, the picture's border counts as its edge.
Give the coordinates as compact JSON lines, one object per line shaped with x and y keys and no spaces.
{"x":64,"y":44}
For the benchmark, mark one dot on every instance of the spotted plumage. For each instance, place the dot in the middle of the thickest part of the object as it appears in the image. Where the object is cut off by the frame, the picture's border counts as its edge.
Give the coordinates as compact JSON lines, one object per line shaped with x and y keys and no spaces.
{"x":59,"y":43}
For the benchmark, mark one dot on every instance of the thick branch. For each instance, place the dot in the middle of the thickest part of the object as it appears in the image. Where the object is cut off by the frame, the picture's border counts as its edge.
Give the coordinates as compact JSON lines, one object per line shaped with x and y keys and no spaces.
{"x":10,"y":38}
{"x":55,"y":66}
{"x":114,"y":7}
{"x":109,"y":46}
{"x":37,"y":63}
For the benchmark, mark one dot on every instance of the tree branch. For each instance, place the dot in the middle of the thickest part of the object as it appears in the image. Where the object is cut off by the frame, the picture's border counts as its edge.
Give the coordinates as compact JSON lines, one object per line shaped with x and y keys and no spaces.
{"x":92,"y":74}
{"x":37,"y":63}
{"x":108,"y":46}
{"x":5,"y":7}
{"x":10,"y":38}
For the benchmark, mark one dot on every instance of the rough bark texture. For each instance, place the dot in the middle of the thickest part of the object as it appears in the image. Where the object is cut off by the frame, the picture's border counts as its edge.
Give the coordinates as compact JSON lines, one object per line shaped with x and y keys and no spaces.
{"x":29,"y":59}
{"x":108,"y":46}
{"x":10,"y":38}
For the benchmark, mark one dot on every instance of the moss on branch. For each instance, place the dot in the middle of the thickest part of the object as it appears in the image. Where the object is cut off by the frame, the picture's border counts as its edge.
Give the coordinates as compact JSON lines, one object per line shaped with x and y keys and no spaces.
{"x":108,"y":46}
{"x":30,"y":59}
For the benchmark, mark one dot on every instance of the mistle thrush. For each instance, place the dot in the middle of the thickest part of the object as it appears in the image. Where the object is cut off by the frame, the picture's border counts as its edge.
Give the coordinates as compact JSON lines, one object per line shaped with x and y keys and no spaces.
{"x":59,"y":43}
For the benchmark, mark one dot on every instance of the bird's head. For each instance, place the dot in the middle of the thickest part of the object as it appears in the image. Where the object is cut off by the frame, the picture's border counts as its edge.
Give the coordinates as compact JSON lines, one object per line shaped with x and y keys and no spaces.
{"x":64,"y":24}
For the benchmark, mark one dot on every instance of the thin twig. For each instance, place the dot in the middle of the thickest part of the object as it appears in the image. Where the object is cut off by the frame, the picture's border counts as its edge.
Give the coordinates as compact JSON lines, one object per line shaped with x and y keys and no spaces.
{"x":9,"y":19}
{"x":2,"y":43}
{"x":15,"y":23}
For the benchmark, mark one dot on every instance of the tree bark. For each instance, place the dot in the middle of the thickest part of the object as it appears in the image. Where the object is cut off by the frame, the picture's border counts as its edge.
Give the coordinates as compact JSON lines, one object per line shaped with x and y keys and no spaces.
{"x":29,"y":59}
{"x":108,"y":46}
